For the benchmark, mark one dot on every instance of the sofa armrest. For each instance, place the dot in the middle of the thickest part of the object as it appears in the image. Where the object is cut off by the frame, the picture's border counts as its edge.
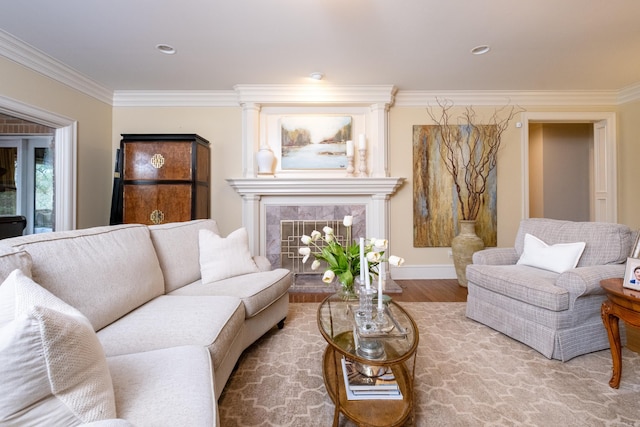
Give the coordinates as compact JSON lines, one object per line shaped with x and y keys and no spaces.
{"x":262,"y":262}
{"x":586,"y":280}
{"x":496,"y":256}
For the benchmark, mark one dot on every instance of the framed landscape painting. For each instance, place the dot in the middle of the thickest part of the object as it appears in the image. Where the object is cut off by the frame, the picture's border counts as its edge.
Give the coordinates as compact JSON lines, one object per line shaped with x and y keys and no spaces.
{"x":314,"y":142}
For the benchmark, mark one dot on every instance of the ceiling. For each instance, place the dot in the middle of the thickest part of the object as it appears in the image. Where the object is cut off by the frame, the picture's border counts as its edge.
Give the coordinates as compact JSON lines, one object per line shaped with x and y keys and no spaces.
{"x":412,"y":44}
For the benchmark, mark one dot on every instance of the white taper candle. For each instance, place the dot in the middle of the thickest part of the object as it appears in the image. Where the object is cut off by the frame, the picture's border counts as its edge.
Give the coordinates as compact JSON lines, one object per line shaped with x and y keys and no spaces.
{"x":361,"y":261}
{"x":380,"y":279}
{"x":367,"y":279}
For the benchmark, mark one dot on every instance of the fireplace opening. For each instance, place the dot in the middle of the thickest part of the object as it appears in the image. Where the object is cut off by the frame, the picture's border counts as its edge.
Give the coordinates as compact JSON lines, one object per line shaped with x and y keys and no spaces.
{"x":291,"y":232}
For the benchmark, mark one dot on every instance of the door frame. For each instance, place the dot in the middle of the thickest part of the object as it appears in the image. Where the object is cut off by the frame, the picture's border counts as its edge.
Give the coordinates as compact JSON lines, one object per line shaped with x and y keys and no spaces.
{"x":605,"y":192}
{"x":65,"y":155}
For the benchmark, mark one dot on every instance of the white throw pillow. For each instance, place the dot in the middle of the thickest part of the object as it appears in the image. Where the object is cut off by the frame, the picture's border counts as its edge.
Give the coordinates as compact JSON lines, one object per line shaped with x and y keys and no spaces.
{"x":53,"y":368}
{"x":558,"y":258}
{"x":221,"y":258}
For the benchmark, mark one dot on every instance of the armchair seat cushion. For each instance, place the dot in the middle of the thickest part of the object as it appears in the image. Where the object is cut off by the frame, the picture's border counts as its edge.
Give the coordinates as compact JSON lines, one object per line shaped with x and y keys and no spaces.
{"x":523,"y":283}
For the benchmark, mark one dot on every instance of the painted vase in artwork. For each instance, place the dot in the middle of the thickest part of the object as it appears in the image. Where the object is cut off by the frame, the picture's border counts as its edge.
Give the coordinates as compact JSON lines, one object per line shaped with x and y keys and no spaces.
{"x":463,"y":246}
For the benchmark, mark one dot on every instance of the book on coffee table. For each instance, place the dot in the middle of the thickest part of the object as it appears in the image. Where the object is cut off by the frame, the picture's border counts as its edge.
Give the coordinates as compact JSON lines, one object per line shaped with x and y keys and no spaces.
{"x":362,"y":387}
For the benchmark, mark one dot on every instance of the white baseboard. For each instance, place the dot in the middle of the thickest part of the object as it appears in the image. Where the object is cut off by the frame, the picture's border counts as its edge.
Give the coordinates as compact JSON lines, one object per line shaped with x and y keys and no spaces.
{"x":413,"y":272}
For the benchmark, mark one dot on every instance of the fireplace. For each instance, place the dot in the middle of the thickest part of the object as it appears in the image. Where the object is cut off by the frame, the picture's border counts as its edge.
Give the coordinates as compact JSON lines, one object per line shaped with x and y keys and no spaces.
{"x":267,"y":202}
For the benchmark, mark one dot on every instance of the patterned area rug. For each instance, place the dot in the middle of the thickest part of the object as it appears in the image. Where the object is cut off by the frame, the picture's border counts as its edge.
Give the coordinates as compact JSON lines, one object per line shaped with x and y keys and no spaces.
{"x":466,"y":375}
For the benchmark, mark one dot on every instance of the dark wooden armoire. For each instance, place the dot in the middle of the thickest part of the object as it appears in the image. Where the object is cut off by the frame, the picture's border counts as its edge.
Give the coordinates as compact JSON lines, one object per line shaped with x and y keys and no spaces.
{"x":165,"y":178}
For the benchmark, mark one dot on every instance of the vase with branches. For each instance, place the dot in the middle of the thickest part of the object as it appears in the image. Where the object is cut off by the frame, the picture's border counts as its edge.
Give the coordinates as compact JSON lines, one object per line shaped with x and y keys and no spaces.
{"x":469,"y":152}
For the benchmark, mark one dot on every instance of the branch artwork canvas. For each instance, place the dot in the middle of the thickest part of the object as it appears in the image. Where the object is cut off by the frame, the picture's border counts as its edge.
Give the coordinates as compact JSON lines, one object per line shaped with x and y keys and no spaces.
{"x":436,"y":207}
{"x":315,"y":142}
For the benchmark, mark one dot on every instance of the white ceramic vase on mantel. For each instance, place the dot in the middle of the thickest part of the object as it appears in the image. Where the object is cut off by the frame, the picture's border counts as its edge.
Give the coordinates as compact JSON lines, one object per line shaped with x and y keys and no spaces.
{"x":266,"y":160}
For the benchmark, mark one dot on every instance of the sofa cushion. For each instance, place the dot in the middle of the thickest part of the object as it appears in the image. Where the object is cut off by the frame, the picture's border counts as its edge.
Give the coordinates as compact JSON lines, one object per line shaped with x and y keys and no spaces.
{"x":523,"y":283}
{"x":170,"y":321}
{"x":557,"y":258}
{"x":165,"y":387}
{"x":105,"y":272}
{"x":53,"y":368}
{"x":221,"y":258}
{"x":605,"y":243}
{"x":178,"y":250}
{"x":12,"y":258}
{"x":256,"y":290}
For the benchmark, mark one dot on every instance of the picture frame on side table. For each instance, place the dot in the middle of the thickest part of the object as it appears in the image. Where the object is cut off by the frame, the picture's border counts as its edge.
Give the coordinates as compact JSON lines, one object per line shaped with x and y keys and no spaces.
{"x":632,"y":274}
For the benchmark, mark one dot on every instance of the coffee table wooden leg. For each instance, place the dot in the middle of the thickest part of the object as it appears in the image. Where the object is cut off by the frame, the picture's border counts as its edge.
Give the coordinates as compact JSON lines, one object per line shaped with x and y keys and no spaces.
{"x":611,"y":324}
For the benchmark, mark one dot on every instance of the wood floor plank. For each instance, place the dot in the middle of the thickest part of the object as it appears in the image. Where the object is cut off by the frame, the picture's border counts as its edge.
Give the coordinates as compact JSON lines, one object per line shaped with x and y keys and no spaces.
{"x":431,"y":290}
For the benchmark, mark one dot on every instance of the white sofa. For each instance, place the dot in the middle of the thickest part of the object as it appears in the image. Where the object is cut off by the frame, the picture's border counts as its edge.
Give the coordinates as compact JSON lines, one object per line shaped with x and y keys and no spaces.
{"x":170,"y":341}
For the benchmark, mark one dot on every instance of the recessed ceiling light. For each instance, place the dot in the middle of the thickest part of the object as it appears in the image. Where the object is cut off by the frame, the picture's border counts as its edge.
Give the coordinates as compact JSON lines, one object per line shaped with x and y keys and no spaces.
{"x":316,"y":75}
{"x":480,"y":50}
{"x":166,"y":49}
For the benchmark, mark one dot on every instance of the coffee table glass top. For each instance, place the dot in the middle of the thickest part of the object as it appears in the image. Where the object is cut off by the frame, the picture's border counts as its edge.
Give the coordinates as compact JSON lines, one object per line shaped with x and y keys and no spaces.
{"x":337,"y":323}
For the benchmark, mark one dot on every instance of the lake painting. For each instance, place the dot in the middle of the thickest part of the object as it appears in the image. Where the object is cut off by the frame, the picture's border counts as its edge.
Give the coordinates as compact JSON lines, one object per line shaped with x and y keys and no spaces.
{"x":315,"y":142}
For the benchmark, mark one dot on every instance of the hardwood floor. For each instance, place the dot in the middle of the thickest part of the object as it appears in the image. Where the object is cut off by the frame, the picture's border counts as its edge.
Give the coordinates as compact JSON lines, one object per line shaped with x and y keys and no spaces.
{"x":432,"y":290}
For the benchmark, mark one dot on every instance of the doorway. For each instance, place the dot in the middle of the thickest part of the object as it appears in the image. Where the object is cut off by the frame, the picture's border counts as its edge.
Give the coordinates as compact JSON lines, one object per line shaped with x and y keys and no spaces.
{"x":64,"y":157}
{"x":27,"y":180}
{"x":561,"y":171}
{"x":601,"y":163}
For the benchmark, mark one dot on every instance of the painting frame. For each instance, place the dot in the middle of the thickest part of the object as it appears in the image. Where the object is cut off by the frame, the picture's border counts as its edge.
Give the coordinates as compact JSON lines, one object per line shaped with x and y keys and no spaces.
{"x":314,"y":142}
{"x":630,"y":280}
{"x":436,"y":208}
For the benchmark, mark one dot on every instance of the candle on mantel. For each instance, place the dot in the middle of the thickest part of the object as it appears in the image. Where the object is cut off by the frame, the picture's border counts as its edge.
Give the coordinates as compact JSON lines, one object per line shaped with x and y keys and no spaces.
{"x":367,"y":280}
{"x":361,"y":261}
{"x":380,"y":286}
{"x":349,"y":148}
{"x":362,"y":142}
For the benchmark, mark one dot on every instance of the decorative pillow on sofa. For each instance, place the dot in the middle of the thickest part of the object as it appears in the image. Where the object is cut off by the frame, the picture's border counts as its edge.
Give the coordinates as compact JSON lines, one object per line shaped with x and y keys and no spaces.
{"x":221,"y":258}
{"x":558,"y":258}
{"x":53,"y":368}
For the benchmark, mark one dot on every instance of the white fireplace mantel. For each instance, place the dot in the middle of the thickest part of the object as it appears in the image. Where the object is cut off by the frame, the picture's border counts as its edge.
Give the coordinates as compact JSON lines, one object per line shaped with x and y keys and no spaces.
{"x":256,"y":193}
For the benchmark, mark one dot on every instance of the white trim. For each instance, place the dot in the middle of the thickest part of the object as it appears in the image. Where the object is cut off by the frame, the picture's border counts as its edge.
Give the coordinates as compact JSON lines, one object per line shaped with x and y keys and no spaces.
{"x":529,"y":98}
{"x":316,"y":95}
{"x":36,"y":60}
{"x":415,"y":272}
{"x":66,"y":141}
{"x":610,"y":166}
{"x":629,"y":94}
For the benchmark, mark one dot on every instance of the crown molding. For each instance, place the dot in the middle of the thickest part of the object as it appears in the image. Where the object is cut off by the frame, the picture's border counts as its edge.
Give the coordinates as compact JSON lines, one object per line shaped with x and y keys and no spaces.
{"x":629,"y":94}
{"x":174,"y":98}
{"x":528,"y":98}
{"x":315,"y":94}
{"x":20,"y":52}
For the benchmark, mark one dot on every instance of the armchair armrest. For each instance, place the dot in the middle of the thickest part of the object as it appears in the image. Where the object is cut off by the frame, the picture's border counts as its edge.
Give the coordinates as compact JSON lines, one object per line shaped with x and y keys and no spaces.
{"x":496,"y":256}
{"x":262,"y":262}
{"x":586,"y":280}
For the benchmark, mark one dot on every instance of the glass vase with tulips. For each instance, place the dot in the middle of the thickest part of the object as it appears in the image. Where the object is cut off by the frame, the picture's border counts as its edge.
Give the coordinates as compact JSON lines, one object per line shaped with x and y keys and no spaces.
{"x":344,"y":262}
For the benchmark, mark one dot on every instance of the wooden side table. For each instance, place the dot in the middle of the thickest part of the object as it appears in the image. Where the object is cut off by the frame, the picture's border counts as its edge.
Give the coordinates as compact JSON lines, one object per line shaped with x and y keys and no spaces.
{"x":622,"y":304}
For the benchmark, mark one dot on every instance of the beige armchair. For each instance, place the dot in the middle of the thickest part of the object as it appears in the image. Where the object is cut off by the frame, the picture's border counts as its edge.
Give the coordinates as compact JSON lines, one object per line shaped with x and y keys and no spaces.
{"x":555,"y":312}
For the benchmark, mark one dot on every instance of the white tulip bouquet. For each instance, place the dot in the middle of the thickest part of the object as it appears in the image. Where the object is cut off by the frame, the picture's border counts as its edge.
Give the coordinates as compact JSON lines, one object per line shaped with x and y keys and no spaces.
{"x":344,"y":262}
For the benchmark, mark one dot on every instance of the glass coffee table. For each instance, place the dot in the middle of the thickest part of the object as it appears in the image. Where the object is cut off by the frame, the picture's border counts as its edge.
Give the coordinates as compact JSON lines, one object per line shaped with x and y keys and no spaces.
{"x":389,"y":351}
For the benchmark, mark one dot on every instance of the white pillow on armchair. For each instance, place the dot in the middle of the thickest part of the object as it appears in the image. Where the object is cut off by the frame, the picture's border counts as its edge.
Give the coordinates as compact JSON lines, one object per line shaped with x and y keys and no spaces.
{"x":557,"y":258}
